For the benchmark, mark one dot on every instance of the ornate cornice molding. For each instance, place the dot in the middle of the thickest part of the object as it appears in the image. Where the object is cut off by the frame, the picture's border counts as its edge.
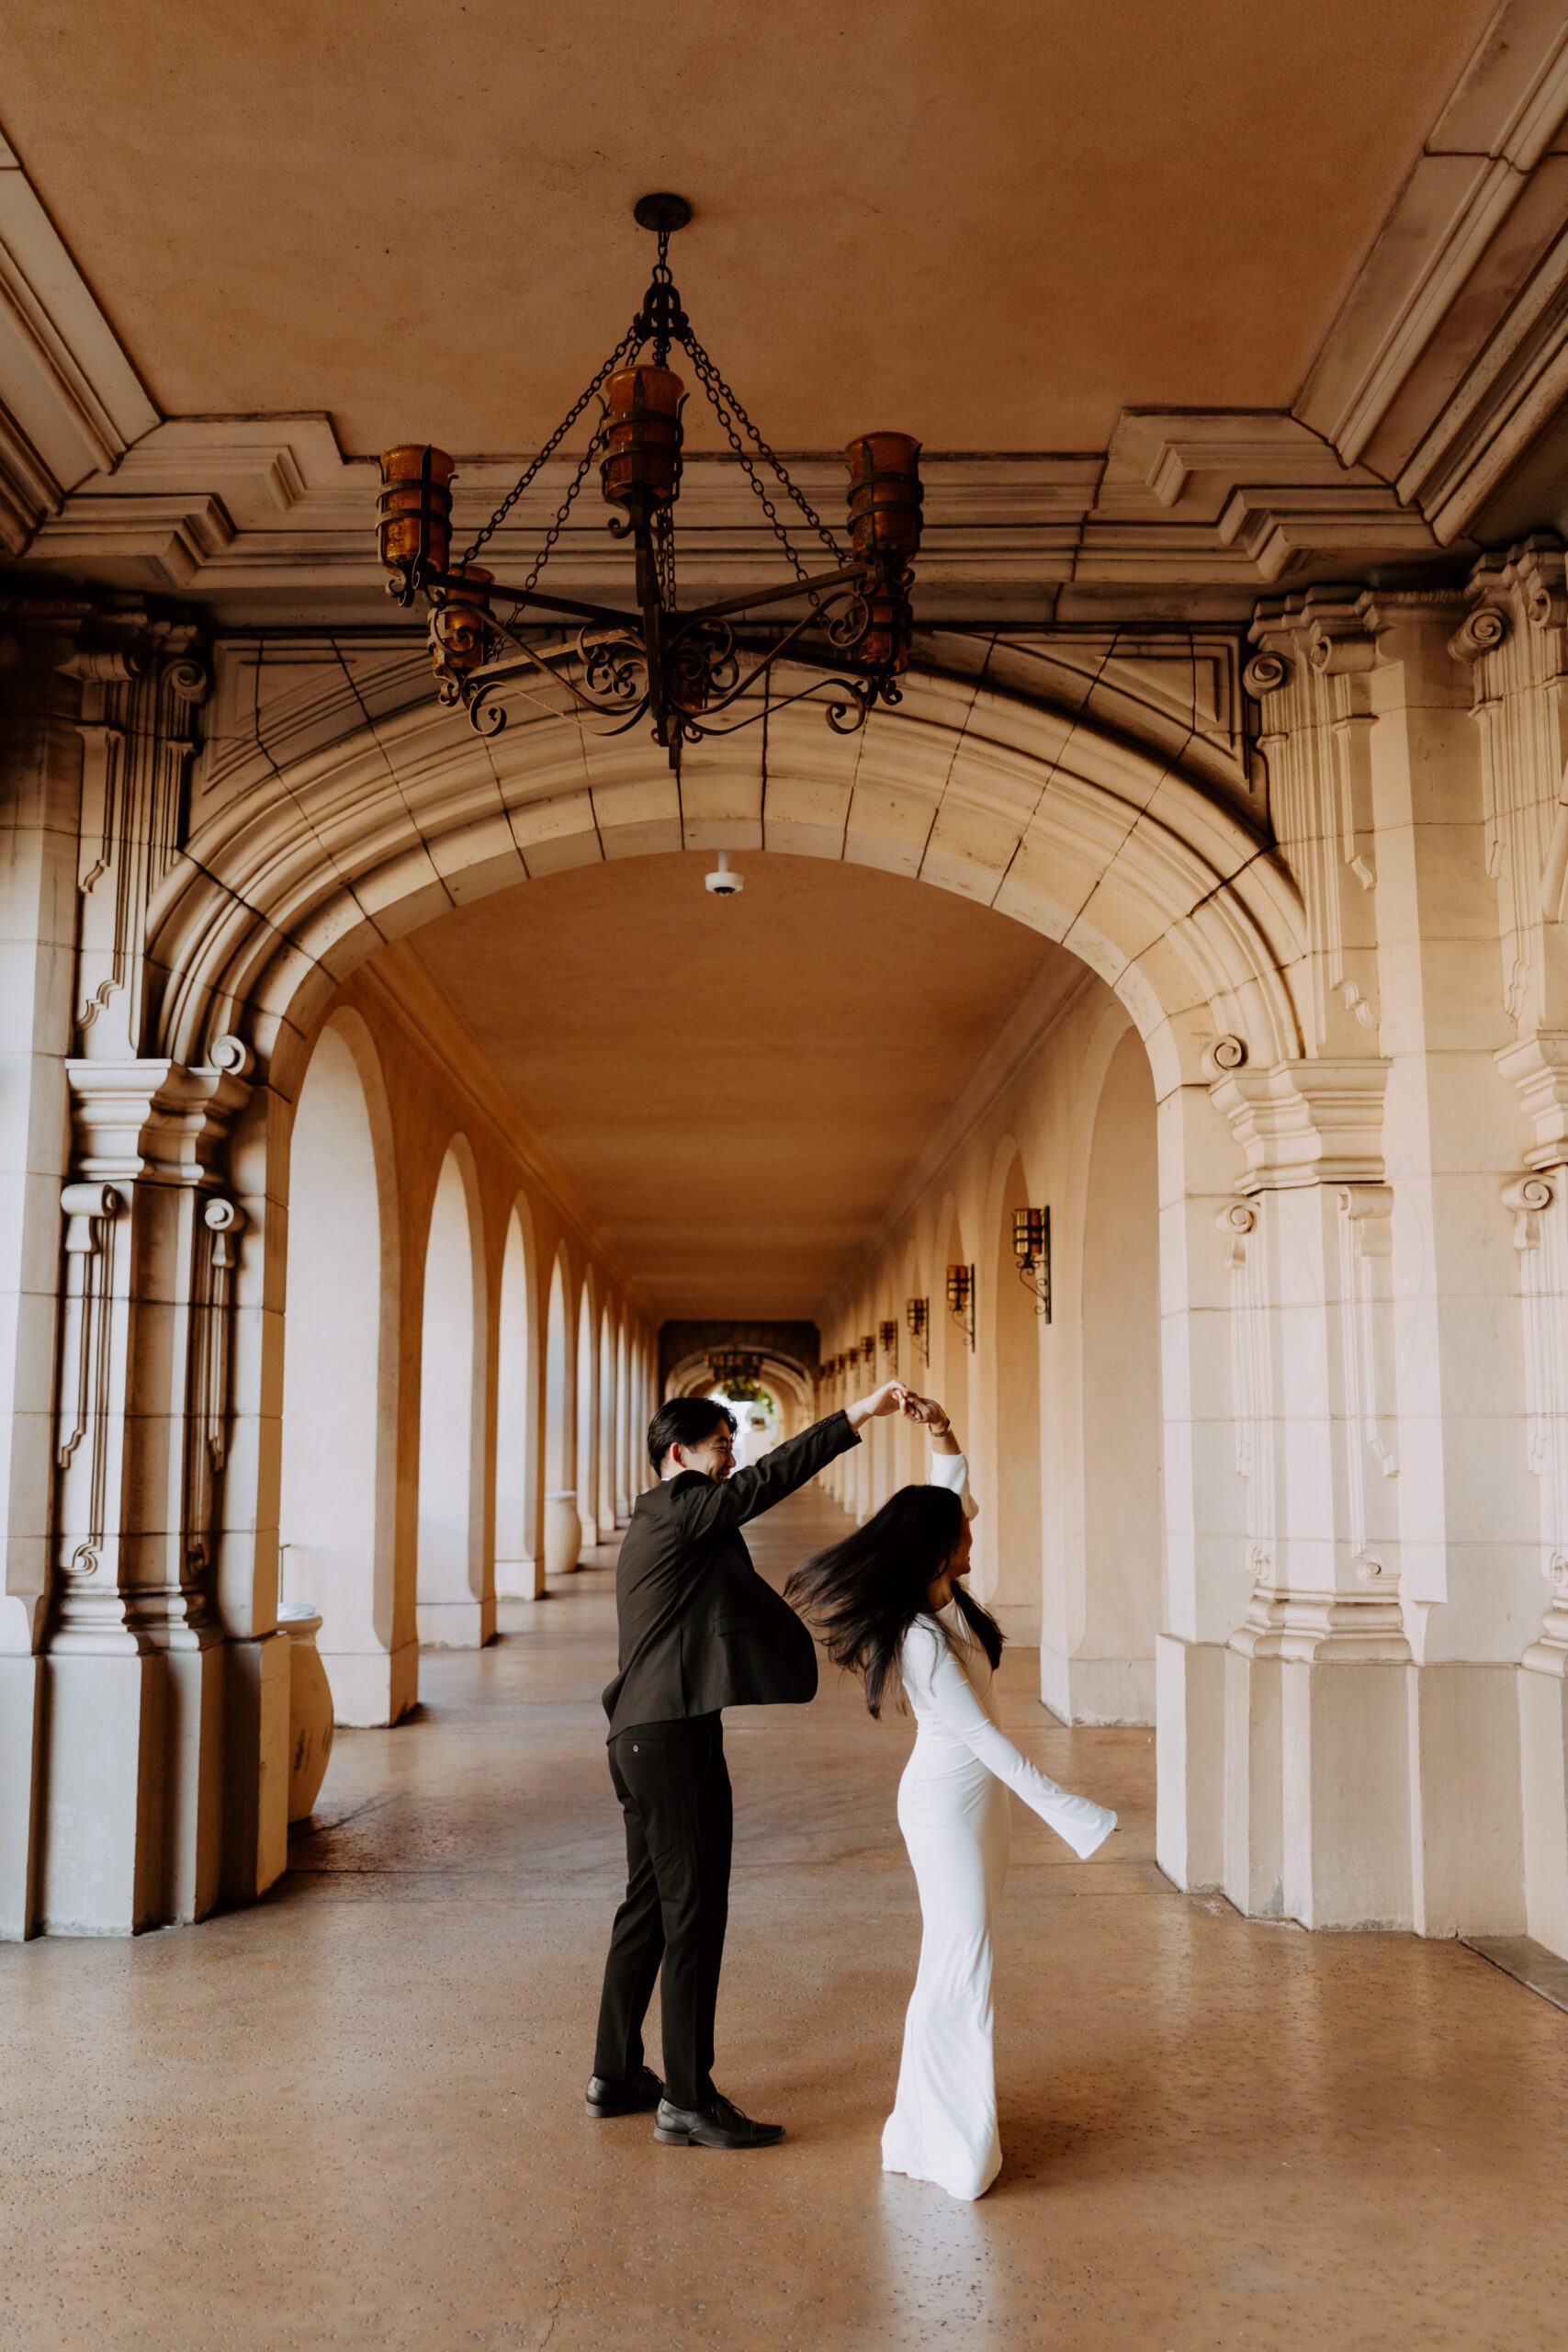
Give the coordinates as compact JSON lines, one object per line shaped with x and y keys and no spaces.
{"x":1404,"y":429}
{"x":1450,"y":352}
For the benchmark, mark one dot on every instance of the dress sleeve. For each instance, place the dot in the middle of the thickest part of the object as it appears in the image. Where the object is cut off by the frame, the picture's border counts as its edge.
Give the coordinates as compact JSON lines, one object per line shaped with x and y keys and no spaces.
{"x":1083,"y":1824}
{"x":952,"y":1470}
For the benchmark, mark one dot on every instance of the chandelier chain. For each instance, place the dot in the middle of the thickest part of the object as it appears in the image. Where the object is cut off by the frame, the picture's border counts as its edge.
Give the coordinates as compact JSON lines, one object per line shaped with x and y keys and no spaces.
{"x":731,"y":413}
{"x":622,"y":352}
{"x":547,"y":546}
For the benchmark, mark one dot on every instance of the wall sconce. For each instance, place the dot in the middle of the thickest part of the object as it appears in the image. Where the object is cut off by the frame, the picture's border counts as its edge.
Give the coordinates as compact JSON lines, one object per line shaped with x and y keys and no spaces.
{"x":961,"y":1299}
{"x":1032,"y":1248}
{"x":868,"y":1348}
{"x":916,"y":1315}
{"x":888,"y":1335}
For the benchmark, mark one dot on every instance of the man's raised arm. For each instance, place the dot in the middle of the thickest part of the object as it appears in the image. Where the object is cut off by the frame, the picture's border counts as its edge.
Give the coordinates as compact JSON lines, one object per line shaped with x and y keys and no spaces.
{"x":706,"y":1506}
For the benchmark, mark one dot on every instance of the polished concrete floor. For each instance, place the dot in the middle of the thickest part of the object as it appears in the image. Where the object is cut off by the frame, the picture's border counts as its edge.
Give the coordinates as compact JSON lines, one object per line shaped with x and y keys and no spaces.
{"x":351,"y":2116}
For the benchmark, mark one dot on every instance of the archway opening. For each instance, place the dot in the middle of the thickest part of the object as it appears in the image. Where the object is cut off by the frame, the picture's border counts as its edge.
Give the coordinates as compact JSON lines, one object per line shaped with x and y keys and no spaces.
{"x":562,"y":1524}
{"x":626,"y":1415}
{"x":1110,"y":1671}
{"x":339,"y":1439}
{"x":605,"y":1431}
{"x":452,"y":1608}
{"x":586,"y":1451}
{"x":516,"y":1451}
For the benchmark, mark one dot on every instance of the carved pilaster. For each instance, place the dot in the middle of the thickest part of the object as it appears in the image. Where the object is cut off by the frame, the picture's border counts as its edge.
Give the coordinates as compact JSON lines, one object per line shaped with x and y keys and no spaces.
{"x":208,"y":1390}
{"x":1540,"y":1237}
{"x":86,"y":1369}
{"x":1321,"y":1523}
{"x":1313,"y":675}
{"x":141,"y":681}
{"x":143,"y":1414}
{"x":1253,"y":1416}
{"x":1366,"y":1357}
{"x":1515,"y":636}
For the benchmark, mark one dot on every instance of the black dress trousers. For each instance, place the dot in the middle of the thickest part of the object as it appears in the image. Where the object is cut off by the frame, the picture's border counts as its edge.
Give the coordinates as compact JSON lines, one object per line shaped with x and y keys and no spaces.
{"x":673,"y":1785}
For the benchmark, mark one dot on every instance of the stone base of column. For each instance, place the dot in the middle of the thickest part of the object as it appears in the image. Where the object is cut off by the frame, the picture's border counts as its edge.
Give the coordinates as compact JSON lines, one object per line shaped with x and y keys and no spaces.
{"x":519,"y":1580}
{"x":455,"y":1624}
{"x":1254,"y":1832}
{"x":1096,"y":1690}
{"x":132,"y":1789}
{"x":1189,"y":1750}
{"x":1345,"y":1788}
{"x":372,"y":1688}
{"x":1468,"y":1875}
{"x":1543,"y":1773}
{"x":21,"y":1721}
{"x":255,"y":1817}
{"x":193,"y":1784}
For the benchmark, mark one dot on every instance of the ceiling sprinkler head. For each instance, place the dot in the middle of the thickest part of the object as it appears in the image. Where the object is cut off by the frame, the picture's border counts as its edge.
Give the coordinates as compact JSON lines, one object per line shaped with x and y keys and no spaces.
{"x":723,"y":883}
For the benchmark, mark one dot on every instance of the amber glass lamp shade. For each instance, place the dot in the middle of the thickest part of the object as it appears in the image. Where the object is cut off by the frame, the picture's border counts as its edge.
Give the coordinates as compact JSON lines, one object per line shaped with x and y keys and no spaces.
{"x":884,"y":494}
{"x":416,"y":507}
{"x":642,"y":436}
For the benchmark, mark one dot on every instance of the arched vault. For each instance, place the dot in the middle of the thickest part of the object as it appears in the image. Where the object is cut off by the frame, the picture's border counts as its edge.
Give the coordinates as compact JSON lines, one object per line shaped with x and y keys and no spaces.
{"x":349,"y":809}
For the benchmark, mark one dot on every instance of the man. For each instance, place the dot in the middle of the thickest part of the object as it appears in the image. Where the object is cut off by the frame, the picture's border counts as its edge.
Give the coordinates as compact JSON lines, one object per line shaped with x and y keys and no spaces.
{"x":699,"y":1631}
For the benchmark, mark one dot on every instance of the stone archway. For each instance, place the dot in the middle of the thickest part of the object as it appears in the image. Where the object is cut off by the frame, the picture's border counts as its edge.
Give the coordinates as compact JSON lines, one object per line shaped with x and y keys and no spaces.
{"x":311,"y":849}
{"x":344,"y":809}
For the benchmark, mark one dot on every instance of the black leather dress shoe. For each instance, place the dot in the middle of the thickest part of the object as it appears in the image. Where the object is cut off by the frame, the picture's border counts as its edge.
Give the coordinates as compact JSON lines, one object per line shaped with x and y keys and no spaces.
{"x":640,"y":2095}
{"x":720,"y":2124}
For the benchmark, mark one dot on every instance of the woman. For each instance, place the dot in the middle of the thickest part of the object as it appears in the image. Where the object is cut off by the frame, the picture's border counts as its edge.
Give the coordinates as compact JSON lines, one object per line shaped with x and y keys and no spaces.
{"x":889,"y":1600}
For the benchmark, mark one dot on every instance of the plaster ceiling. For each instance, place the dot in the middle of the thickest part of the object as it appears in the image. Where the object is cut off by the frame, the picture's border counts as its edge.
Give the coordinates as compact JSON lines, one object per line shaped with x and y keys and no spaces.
{"x":735,"y":1088}
{"x":416,"y":219}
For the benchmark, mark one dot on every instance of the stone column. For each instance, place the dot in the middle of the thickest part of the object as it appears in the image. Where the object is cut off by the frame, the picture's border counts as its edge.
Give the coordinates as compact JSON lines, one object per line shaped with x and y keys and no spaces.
{"x":1516,"y":635}
{"x":1205,"y":1553}
{"x":116,"y":1725}
{"x":1315,"y":1675}
{"x":134,"y":1669}
{"x":40,"y":773}
{"x":1390,"y":1332}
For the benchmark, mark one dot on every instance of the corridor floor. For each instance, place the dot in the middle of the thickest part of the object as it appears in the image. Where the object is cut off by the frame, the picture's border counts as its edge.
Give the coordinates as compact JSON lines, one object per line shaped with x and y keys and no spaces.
{"x":353,"y":2116}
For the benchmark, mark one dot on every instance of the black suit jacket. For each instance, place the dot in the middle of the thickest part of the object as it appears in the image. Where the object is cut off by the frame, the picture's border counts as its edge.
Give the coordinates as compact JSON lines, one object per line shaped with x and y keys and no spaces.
{"x":699,"y":1628}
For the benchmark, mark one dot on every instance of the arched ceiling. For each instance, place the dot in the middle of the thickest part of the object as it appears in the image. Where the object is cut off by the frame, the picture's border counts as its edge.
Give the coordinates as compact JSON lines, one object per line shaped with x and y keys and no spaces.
{"x":995,"y":226}
{"x":735,"y":1088}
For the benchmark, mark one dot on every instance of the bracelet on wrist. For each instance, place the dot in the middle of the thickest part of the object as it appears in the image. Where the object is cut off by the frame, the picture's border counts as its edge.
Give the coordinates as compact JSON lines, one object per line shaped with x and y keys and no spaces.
{"x":944,"y":1431}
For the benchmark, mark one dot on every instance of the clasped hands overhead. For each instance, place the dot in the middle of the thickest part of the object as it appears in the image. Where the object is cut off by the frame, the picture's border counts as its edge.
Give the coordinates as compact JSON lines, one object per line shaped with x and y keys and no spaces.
{"x":894,"y":1396}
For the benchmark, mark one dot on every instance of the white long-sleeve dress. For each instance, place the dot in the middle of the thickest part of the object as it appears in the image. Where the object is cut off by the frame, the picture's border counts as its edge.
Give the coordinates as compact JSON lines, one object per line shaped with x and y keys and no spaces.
{"x":952,"y":1810}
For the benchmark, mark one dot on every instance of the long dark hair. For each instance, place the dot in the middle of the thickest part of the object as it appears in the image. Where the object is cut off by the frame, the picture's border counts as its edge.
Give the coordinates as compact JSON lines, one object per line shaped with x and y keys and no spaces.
{"x":863,"y":1594}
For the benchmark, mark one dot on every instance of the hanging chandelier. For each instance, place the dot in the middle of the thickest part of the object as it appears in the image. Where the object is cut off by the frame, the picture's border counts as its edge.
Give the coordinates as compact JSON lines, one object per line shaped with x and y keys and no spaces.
{"x":688,"y":674}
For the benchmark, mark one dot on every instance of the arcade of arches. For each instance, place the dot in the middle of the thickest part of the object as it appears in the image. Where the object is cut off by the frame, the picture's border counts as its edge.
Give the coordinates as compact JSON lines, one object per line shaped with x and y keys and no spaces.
{"x":389,"y":1119}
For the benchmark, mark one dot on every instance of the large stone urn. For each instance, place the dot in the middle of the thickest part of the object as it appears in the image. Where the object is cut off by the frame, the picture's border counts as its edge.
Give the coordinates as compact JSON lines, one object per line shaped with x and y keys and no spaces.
{"x":563,"y":1533}
{"x":310,"y":1707}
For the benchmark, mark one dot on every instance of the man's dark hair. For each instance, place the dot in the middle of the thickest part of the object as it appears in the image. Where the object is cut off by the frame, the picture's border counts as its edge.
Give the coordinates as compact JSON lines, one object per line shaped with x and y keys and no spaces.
{"x":684,"y":1420}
